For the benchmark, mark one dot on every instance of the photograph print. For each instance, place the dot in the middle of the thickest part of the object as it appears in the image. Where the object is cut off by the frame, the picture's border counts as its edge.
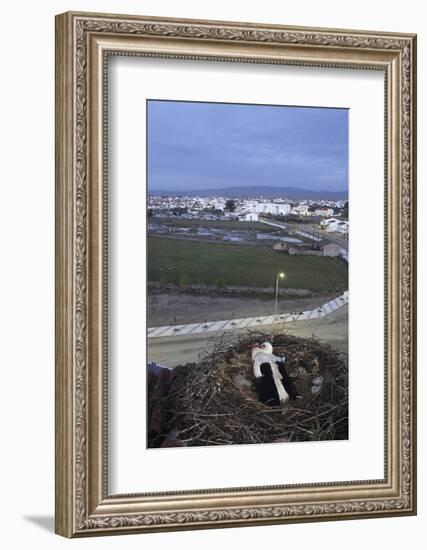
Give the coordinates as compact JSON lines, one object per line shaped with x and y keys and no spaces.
{"x":247,"y":273}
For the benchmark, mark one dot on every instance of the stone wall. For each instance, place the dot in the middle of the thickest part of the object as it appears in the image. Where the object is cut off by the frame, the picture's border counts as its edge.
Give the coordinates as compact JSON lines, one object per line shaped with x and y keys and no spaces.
{"x":156,"y":287}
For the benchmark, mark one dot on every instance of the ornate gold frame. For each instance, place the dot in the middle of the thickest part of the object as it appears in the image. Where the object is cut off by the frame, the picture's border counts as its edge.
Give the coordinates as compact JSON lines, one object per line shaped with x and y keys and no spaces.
{"x":83,"y":506}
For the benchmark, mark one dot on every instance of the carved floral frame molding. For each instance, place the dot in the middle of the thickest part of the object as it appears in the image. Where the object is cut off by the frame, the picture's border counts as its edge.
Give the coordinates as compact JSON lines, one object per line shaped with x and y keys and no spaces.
{"x":83,"y":43}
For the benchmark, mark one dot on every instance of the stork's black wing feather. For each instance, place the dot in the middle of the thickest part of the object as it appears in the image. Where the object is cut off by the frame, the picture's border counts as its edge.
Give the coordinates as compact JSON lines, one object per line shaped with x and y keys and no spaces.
{"x":265,"y":387}
{"x":287,"y":381}
{"x":265,"y":369}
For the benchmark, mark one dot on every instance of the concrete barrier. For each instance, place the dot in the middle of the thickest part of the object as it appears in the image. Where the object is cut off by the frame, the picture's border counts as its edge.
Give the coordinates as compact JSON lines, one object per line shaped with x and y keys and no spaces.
{"x":249,"y":322}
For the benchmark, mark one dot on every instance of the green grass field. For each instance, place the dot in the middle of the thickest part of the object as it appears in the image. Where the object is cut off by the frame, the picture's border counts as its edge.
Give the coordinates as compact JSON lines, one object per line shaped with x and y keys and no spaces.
{"x":185,"y":262}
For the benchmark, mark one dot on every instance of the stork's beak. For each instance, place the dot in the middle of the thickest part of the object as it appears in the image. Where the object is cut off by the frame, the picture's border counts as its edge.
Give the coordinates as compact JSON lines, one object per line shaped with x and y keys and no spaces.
{"x":251,"y":346}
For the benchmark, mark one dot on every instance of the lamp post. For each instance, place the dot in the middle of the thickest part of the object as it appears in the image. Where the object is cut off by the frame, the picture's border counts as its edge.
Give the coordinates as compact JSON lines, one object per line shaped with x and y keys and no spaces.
{"x":278,"y":276}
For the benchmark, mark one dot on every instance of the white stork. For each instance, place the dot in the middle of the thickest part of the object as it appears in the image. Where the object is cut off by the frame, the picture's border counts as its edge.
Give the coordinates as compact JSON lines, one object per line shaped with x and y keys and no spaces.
{"x":272,"y":383}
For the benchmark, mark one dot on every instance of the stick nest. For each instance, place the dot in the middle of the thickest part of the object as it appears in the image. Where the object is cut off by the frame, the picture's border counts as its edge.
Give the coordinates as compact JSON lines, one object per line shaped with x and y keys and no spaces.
{"x":214,"y":402}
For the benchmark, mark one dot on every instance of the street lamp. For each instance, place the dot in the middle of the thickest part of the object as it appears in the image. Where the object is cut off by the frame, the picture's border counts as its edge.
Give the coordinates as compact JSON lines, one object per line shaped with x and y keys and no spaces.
{"x":278,"y":276}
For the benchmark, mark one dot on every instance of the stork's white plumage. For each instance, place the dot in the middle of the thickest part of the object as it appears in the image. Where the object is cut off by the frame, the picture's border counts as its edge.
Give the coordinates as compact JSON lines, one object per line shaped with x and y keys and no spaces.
{"x":272,"y":383}
{"x":262,"y":355}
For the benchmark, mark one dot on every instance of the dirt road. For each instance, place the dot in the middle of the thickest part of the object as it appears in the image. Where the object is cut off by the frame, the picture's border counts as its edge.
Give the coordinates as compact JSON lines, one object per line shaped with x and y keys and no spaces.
{"x":173,"y":351}
{"x":170,"y":309}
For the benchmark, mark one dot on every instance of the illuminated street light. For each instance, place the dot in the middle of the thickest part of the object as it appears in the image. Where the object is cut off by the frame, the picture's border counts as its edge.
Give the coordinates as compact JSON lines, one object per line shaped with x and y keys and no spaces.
{"x":280,"y":275}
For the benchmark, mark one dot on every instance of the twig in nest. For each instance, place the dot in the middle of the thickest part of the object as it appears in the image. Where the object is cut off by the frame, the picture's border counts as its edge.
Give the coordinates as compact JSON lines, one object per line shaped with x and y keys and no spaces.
{"x":206,"y":406}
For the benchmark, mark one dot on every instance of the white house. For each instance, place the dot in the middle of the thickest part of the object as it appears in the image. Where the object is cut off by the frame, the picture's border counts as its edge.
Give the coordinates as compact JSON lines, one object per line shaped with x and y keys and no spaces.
{"x":324,"y":212}
{"x":218,"y":204}
{"x":335,"y":226}
{"x":301,"y":210}
{"x":248,"y":217}
{"x":276,"y":208}
{"x":330,"y":224}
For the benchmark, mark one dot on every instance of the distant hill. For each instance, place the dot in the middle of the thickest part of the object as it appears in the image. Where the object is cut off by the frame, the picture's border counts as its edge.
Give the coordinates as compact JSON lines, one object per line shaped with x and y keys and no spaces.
{"x":258,"y":191}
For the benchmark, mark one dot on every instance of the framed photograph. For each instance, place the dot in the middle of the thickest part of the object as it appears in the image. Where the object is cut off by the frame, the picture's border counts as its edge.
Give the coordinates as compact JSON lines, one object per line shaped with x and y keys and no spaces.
{"x":235,"y":274}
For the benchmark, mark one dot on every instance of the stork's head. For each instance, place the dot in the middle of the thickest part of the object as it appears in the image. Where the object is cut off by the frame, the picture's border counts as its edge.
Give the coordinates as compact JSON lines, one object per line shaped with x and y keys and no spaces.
{"x":266,"y":347}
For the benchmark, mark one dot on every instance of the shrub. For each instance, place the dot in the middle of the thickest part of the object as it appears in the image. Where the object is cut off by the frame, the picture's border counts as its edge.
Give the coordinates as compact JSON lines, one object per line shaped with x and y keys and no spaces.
{"x":184,"y":279}
{"x":220,"y":283}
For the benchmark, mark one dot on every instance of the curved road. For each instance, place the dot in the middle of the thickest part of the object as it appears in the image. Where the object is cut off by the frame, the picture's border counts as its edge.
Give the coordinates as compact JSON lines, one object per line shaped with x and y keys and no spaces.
{"x":179,"y":350}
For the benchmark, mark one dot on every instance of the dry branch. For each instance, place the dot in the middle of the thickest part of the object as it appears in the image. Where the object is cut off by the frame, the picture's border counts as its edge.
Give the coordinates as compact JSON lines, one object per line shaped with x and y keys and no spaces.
{"x":207,"y":404}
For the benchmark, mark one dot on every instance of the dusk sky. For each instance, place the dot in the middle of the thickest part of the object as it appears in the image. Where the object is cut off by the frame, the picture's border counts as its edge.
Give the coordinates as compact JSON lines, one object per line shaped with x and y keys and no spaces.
{"x":194,"y":146}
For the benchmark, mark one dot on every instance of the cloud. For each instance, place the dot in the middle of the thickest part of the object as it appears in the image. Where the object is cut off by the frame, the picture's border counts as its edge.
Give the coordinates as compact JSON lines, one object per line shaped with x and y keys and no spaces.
{"x":201,"y":143}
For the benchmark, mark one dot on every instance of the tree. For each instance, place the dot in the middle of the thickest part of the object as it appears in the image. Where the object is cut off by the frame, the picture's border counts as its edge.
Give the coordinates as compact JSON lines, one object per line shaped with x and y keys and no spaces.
{"x":220,"y":283}
{"x":179,"y":210}
{"x":230,"y":205}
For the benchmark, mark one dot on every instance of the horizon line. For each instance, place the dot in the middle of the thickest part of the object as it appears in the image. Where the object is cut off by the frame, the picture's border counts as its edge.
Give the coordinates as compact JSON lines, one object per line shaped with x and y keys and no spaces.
{"x":251,"y":187}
